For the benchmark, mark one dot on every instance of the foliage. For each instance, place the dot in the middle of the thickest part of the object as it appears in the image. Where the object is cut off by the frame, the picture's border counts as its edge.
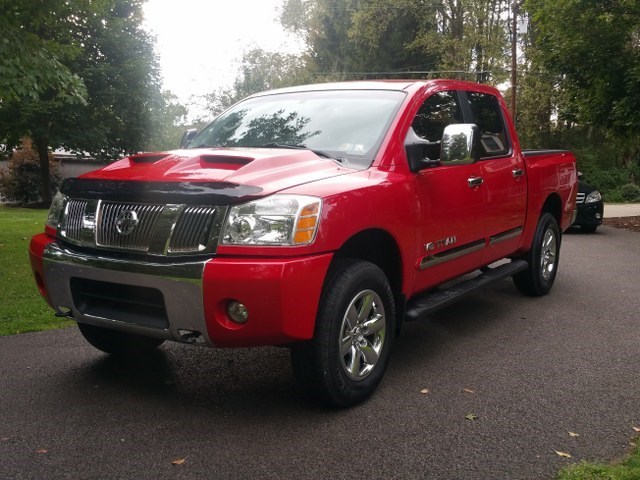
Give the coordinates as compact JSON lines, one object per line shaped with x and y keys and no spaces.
{"x":100,"y":42}
{"x":535,"y":106}
{"x":347,"y":36}
{"x":168,"y":117}
{"x":22,"y":309}
{"x":348,"y":39}
{"x":470,"y":37}
{"x":259,"y":71}
{"x":593,"y":49}
{"x":601,"y":154}
{"x":20,"y":181}
{"x":549,"y":115}
{"x":630,"y":192}
{"x":32,"y":65}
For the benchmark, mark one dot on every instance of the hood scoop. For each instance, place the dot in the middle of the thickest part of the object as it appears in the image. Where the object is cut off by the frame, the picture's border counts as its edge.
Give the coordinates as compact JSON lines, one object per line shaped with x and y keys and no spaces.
{"x":225,"y":162}
{"x":148,"y":157}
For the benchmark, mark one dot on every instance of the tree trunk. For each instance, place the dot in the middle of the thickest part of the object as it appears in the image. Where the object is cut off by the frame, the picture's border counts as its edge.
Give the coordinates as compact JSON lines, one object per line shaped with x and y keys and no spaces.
{"x":42,"y":146}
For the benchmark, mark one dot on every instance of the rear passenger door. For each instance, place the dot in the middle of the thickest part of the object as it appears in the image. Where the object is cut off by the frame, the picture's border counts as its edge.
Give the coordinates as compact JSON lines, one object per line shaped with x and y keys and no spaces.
{"x":503,"y":175}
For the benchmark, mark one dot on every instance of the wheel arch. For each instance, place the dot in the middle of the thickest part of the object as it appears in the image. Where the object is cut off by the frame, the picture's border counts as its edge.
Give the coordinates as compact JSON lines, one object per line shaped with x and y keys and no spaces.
{"x":380,"y":248}
{"x":553,"y":205}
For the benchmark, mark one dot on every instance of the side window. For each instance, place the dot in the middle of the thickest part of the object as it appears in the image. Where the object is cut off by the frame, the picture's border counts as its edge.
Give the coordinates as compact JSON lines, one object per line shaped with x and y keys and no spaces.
{"x":437,"y":111}
{"x":487,"y":115}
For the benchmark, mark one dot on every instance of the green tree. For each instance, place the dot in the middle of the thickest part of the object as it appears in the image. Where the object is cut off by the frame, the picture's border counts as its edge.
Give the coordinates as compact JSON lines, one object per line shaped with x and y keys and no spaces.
{"x":381,"y":37}
{"x":593,"y":49}
{"x":590,"y":51}
{"x":31,"y":62}
{"x":471,"y":37}
{"x":168,"y":118}
{"x":102,"y":45}
{"x":347,"y":36}
{"x":260,"y":70}
{"x":537,"y":95}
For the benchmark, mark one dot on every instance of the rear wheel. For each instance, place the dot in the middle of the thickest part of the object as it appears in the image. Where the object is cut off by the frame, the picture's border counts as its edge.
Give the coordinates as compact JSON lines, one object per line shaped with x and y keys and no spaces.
{"x":118,"y":343}
{"x":347,"y":358}
{"x":543,"y":259}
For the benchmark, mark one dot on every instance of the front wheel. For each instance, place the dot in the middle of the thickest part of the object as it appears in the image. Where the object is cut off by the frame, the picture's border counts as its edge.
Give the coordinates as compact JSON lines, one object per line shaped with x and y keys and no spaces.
{"x":543,"y":259}
{"x":118,"y":343}
{"x":347,"y":358}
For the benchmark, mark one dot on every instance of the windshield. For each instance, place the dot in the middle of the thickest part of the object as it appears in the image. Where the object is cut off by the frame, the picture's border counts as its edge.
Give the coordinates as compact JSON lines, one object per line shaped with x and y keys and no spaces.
{"x":348,"y":125}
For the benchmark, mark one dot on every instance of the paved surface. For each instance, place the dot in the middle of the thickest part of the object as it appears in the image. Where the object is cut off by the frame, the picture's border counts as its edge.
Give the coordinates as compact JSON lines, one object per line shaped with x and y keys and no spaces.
{"x":612,"y":210}
{"x":538,"y":369}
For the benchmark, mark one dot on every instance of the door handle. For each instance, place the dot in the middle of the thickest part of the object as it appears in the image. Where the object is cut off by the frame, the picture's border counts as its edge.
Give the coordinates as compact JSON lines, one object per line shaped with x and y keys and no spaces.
{"x":517,"y":172}
{"x":475,"y":181}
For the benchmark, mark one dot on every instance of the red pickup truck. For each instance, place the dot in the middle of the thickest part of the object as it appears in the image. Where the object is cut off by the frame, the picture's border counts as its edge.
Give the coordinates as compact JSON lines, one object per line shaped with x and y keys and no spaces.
{"x":319,"y":217}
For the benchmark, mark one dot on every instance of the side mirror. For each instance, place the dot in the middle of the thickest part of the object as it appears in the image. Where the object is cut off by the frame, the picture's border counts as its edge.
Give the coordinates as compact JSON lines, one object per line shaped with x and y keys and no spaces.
{"x":187,"y":136}
{"x":460,"y":144}
{"x":580,"y":175}
{"x":417,"y":149}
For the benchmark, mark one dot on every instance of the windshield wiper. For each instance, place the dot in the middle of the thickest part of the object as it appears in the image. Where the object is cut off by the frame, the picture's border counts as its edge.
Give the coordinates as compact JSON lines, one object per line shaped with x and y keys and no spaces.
{"x":320,"y":153}
{"x":282,"y":145}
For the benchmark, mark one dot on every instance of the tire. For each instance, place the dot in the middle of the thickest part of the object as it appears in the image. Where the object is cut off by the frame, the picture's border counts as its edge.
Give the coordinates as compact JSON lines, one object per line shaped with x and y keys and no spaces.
{"x":355,"y":326}
{"x":118,"y":343}
{"x":543,"y":259}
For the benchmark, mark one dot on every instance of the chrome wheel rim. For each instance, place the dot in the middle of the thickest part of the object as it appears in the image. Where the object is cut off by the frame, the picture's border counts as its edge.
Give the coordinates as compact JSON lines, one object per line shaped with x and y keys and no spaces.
{"x":548,"y":255}
{"x":362,"y":335}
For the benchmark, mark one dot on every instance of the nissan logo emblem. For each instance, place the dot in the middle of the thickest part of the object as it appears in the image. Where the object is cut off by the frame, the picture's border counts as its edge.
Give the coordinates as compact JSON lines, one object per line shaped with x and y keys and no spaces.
{"x":126,"y":222}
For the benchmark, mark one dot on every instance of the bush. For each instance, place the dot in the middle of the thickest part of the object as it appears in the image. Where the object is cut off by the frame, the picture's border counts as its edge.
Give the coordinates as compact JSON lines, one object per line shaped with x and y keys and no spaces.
{"x":20,"y":181}
{"x":630,"y":192}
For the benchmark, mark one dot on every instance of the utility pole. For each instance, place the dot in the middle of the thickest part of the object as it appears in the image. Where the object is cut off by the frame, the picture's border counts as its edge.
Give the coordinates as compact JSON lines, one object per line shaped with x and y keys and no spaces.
{"x":515,"y":8}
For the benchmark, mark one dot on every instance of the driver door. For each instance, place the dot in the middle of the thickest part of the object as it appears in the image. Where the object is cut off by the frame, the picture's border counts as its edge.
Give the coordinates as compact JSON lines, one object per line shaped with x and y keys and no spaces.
{"x":450,"y":230}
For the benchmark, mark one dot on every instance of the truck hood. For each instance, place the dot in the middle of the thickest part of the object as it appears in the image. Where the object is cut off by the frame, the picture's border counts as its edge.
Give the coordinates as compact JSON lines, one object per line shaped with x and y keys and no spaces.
{"x":237,"y":173}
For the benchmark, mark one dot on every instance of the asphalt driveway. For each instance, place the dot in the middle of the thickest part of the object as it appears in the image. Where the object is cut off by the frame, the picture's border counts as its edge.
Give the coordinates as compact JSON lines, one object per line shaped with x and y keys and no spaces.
{"x":528,"y":370}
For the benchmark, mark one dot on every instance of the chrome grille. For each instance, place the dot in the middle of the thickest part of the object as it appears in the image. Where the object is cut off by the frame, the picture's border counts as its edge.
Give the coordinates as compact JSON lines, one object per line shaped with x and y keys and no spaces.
{"x":75,"y":219}
{"x":580,"y":197}
{"x":192,"y":230}
{"x":107,"y":234}
{"x":151,"y":229}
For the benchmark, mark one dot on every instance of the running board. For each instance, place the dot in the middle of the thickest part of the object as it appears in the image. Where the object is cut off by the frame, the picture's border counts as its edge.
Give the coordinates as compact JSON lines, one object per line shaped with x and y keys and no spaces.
{"x":434,"y":300}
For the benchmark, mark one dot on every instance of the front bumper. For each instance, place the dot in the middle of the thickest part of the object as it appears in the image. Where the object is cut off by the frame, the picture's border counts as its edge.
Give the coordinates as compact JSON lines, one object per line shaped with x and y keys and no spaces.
{"x":186,"y":301}
{"x":589,"y":214}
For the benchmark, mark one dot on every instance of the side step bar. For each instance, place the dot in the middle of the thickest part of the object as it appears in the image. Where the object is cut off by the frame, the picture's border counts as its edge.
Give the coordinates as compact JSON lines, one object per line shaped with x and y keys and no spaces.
{"x":434,"y":300}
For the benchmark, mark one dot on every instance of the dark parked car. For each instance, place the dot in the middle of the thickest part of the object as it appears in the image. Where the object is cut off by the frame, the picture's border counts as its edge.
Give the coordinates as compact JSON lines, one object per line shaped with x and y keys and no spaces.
{"x":590,"y":208}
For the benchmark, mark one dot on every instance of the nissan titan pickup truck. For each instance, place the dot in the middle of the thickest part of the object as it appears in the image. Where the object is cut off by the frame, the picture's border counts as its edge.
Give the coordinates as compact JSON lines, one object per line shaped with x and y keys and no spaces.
{"x":320,"y":218}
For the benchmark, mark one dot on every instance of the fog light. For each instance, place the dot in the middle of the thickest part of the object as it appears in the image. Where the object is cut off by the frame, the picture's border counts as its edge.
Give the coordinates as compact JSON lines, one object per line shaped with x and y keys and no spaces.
{"x":237,"y":312}
{"x":598,"y":216}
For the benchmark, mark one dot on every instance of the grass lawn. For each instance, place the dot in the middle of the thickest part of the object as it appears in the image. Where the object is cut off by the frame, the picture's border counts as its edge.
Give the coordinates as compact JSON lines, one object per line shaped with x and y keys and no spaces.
{"x":22,"y":309}
{"x":629,"y":469}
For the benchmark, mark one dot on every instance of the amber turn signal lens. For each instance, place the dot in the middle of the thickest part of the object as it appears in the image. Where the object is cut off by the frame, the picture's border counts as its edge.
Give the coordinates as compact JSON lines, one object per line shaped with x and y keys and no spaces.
{"x":303,"y":236}
{"x":305,"y":223}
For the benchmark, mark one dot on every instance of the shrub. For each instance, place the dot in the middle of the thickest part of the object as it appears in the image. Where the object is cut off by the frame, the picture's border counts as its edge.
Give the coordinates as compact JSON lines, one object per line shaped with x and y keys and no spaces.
{"x":630,"y":192}
{"x":20,"y":181}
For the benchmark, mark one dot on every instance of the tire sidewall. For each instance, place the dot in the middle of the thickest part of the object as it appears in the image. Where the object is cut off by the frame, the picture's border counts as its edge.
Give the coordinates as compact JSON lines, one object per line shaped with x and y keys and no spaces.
{"x":547,"y":222}
{"x":346,"y":280}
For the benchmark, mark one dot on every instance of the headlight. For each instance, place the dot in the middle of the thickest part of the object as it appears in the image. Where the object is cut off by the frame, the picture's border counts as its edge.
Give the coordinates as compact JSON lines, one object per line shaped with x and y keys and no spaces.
{"x":275,"y":220}
{"x":593,"y":197}
{"x":56,"y":209}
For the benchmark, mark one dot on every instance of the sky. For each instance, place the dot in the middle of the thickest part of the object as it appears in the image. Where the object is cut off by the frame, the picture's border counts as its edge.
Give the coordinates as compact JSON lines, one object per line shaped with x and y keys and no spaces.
{"x":200,"y":42}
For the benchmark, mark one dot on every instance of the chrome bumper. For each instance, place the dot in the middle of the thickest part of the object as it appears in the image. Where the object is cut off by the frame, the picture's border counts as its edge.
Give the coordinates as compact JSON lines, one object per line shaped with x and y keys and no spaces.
{"x":177,"y":286}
